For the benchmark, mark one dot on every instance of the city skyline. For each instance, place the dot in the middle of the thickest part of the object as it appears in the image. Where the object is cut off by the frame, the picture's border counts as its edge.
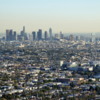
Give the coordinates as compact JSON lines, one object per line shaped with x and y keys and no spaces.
{"x":65,"y":15}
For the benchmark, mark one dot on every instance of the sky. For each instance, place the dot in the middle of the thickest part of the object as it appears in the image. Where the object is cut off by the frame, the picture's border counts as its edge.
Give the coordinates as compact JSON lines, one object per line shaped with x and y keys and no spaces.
{"x":60,"y":15}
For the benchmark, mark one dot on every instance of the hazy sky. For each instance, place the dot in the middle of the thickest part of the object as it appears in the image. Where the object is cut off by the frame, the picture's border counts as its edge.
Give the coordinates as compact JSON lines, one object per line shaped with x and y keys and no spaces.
{"x":60,"y":15}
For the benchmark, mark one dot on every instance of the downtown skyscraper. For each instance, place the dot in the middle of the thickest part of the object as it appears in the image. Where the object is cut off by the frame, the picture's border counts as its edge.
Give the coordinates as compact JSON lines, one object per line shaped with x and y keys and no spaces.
{"x":10,"y":35}
{"x":50,"y":33}
{"x":39,"y":34}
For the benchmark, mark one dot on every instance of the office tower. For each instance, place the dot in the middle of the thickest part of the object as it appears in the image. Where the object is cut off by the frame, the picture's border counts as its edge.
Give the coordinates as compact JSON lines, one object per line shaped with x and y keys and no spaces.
{"x":45,"y":35}
{"x":30,"y":37}
{"x":19,"y":37}
{"x":23,"y":34}
{"x":50,"y":33}
{"x":34,"y":35}
{"x":9,"y":35}
{"x":23,"y":29}
{"x":25,"y":37}
{"x":14,"y":35}
{"x":39,"y":34}
{"x":61,"y":35}
{"x":71,"y":38}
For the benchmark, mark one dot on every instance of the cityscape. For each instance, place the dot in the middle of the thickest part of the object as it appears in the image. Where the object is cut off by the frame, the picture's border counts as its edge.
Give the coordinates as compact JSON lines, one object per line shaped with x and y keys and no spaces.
{"x":49,"y":35}
{"x":49,"y":49}
{"x":48,"y":66}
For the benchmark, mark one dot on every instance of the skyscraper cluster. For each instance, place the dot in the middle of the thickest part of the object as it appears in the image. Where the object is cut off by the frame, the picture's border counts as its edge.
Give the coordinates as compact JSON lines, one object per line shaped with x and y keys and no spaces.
{"x":39,"y":35}
{"x":10,"y":35}
{"x":35,"y":35}
{"x":46,"y":35}
{"x":23,"y":35}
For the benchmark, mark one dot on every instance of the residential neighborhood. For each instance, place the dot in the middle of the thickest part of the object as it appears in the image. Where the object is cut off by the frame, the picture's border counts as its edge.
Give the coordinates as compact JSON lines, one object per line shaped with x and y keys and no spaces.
{"x":45,"y":70}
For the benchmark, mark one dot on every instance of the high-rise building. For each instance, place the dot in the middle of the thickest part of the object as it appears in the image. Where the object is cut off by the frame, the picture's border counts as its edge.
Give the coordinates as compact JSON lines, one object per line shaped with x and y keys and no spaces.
{"x":71,"y":37}
{"x":39,"y":34}
{"x":34,"y":35}
{"x":14,"y":35}
{"x":45,"y":35}
{"x":50,"y":33}
{"x":23,"y":34}
{"x":61,"y":35}
{"x":23,"y":29}
{"x":9,"y":35}
{"x":19,"y":37}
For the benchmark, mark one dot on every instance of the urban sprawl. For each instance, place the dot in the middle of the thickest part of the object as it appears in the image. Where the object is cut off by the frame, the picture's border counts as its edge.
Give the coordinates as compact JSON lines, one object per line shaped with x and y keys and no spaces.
{"x":48,"y":66}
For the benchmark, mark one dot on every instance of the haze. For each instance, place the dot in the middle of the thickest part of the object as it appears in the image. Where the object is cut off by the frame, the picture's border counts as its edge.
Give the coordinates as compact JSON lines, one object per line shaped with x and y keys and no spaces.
{"x":61,"y":15}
